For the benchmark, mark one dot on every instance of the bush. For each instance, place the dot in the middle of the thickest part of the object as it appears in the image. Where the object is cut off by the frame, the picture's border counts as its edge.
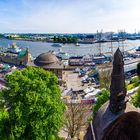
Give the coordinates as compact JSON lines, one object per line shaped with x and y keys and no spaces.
{"x":134,"y":83}
{"x":136,"y":99}
{"x":102,"y":98}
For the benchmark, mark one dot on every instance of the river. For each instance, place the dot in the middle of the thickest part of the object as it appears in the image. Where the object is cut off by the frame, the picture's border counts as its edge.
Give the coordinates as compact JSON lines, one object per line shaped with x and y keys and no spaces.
{"x":37,"y":48}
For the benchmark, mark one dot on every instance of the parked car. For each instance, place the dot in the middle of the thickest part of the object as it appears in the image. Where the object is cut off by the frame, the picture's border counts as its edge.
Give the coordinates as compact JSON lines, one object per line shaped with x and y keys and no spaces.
{"x":82,"y":73}
{"x":97,"y":82}
{"x":90,"y":79}
{"x":77,"y":70}
{"x":106,"y":62}
{"x":85,"y":81}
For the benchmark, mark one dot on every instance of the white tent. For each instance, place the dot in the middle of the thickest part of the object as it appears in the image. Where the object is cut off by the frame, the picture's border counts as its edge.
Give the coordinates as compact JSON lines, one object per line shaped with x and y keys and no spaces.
{"x":89,"y":89}
{"x":92,"y":94}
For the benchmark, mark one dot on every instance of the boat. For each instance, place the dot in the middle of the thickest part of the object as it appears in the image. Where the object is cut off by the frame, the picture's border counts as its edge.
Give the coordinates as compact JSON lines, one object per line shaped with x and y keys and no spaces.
{"x":77,"y":44}
{"x":13,"y":48}
{"x":56,"y":45}
{"x":63,"y":55}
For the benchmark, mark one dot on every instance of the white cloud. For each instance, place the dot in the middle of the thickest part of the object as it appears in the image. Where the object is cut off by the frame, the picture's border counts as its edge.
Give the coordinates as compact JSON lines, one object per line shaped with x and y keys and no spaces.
{"x":73,"y":16}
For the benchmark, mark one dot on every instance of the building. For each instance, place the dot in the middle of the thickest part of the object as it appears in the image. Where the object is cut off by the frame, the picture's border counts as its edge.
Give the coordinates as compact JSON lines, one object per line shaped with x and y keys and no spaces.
{"x":15,"y":55}
{"x":88,"y":60}
{"x":85,"y":60}
{"x":50,"y":62}
{"x":76,"y":61}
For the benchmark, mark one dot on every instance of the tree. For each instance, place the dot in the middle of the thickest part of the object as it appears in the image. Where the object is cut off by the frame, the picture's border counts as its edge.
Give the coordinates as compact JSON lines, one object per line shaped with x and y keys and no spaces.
{"x":1,"y":36}
{"x":138,"y":69}
{"x":75,"y":39}
{"x":136,"y":99}
{"x":55,"y":39}
{"x":102,"y":98}
{"x":64,"y":40}
{"x":105,"y":78}
{"x":76,"y":117}
{"x":32,"y":101}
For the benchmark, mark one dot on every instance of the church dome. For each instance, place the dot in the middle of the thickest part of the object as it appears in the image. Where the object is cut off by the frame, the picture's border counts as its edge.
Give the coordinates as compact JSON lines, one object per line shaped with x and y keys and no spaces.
{"x":45,"y":59}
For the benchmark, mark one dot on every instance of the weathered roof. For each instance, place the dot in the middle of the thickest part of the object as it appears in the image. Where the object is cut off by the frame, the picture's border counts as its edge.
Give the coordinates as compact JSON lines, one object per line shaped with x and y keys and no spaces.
{"x":48,"y":61}
{"x":45,"y":59}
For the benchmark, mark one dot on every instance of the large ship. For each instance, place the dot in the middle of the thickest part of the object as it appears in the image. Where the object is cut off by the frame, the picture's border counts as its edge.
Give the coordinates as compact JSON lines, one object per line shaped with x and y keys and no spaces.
{"x":15,"y":55}
{"x":13,"y":48}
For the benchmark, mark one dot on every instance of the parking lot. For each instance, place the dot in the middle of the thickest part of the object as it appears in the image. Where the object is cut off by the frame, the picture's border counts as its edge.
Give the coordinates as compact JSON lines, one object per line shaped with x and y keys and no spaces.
{"x":73,"y":81}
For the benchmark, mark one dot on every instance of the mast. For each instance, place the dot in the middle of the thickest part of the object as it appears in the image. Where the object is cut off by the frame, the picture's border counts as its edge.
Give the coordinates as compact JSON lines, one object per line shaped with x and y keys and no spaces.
{"x":123,"y":39}
{"x":111,"y":43}
{"x":99,"y":36}
{"x":121,"y":35}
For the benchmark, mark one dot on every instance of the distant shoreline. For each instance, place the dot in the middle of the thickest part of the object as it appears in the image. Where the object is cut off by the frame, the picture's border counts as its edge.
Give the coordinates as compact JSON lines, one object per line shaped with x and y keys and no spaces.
{"x":80,"y":42}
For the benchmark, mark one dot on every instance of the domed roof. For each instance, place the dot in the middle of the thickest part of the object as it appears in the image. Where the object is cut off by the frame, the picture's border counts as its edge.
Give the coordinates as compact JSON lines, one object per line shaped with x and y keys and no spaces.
{"x":45,"y":59}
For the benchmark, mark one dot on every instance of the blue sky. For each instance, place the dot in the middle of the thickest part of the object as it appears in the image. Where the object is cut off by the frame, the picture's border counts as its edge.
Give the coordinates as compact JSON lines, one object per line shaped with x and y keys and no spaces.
{"x":69,"y":16}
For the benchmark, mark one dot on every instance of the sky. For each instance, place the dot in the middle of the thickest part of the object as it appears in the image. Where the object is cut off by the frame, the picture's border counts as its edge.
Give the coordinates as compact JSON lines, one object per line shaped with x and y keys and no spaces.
{"x":69,"y":16}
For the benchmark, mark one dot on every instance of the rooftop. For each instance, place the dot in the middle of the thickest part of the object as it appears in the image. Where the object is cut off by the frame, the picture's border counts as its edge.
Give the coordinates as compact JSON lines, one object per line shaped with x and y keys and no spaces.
{"x":45,"y":59}
{"x":48,"y":60}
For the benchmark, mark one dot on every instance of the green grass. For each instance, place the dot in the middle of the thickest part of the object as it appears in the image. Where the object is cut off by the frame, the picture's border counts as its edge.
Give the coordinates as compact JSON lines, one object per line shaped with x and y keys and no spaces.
{"x":130,"y":86}
{"x":134,"y":83}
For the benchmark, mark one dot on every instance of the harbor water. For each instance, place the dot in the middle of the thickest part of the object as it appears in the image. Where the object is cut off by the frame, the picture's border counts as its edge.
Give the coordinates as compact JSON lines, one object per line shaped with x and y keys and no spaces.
{"x":37,"y":48}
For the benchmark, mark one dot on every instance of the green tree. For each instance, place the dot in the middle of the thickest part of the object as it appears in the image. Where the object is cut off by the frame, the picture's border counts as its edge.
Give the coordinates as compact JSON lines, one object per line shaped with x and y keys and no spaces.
{"x":1,"y":36}
{"x":138,"y":69}
{"x":64,"y":39}
{"x":136,"y":99}
{"x":33,"y":104}
{"x":55,"y":39}
{"x":69,"y":39}
{"x":102,"y":98}
{"x":75,"y":39}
